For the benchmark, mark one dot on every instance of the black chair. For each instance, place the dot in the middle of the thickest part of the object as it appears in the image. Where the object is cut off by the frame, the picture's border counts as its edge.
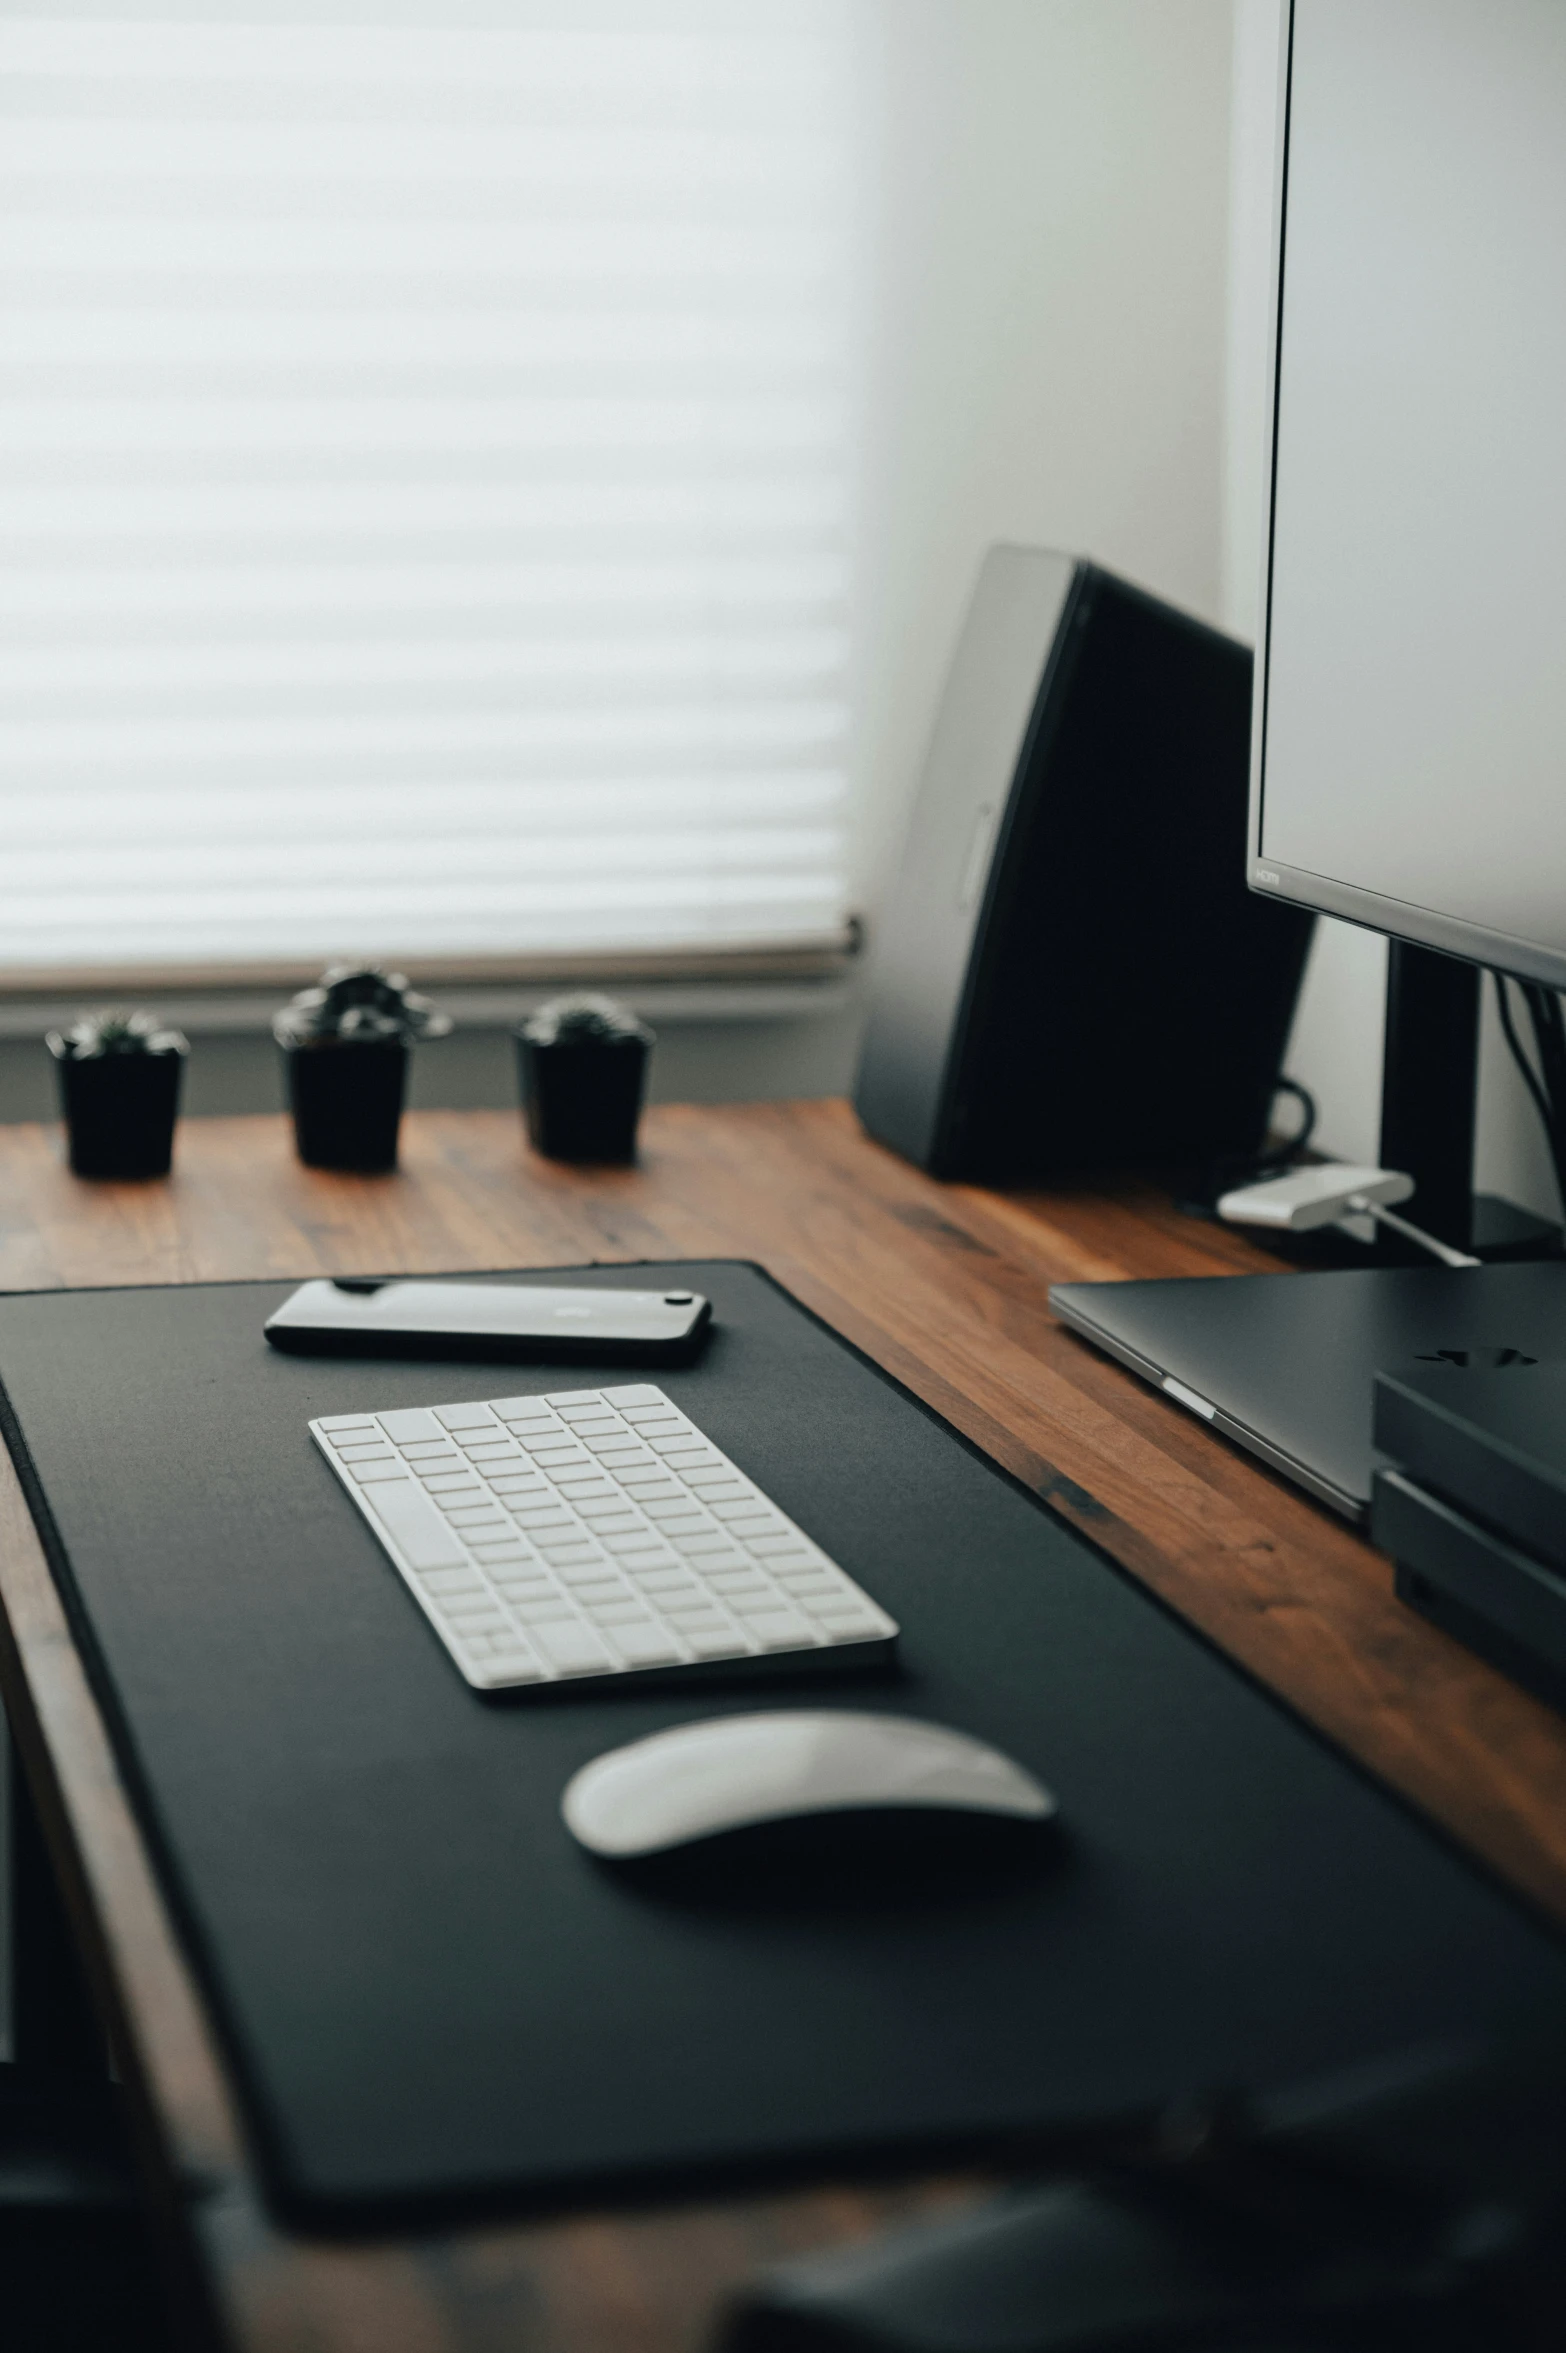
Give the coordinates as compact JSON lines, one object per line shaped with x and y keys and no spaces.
{"x":77,"y":2274}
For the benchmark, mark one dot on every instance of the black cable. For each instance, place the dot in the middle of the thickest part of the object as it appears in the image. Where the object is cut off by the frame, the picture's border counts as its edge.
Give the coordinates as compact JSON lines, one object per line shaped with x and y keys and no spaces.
{"x":1526,"y":1071}
{"x":1282,"y":1154}
{"x":1549,"y":1037}
{"x":1199,"y":1196}
{"x":1547,"y":1085}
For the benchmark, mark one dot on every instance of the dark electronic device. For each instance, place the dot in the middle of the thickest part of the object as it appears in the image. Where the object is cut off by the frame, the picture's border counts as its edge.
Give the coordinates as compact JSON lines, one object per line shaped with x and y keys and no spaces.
{"x":1284,"y":1364}
{"x":1473,"y":1507}
{"x":1419,"y":2205}
{"x":1410,"y":727}
{"x":1071,"y":972}
{"x":1490,"y":1437}
{"x":490,"y":1322}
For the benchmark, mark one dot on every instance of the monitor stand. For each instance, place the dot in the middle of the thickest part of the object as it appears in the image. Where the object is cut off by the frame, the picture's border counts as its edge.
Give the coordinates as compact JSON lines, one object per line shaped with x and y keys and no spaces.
{"x":1284,"y":1364}
{"x":1429,"y":1110}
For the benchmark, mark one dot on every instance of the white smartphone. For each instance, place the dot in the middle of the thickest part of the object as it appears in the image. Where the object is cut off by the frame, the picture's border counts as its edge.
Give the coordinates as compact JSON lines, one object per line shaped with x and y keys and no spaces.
{"x":491,"y":1321}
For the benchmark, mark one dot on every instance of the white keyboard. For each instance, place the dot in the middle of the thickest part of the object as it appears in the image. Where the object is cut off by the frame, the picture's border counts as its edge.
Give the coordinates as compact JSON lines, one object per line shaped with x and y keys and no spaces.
{"x":591,"y":1532}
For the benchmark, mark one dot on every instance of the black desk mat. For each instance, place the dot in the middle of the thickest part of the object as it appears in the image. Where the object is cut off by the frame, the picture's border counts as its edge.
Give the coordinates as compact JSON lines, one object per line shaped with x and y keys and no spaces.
{"x":429,"y":1992}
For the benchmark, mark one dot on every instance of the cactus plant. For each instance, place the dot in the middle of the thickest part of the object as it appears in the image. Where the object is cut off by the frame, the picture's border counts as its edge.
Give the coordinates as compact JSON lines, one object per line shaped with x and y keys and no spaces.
{"x":345,"y":1046}
{"x":582,"y":1062}
{"x":119,"y":1077}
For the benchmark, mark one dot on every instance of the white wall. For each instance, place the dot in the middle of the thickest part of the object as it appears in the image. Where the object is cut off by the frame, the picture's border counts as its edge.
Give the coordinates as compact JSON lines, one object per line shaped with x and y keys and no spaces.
{"x":1336,"y":1048}
{"x":1046,"y":349}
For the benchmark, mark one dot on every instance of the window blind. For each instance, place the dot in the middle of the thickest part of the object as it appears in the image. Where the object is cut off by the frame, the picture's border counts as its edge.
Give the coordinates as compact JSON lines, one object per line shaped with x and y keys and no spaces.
{"x":424,"y":463}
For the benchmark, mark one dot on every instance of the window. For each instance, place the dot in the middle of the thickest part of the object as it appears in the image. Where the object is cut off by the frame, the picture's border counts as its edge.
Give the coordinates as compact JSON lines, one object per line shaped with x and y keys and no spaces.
{"x":423,"y":453}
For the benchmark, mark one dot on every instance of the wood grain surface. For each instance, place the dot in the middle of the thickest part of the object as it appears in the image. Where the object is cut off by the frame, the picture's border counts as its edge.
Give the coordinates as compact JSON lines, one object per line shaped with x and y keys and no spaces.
{"x":946,"y":1286}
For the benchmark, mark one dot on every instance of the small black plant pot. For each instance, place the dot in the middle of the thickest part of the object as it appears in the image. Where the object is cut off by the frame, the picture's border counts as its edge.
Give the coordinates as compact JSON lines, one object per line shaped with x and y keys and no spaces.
{"x":119,"y":1109}
{"x":346,"y":1099}
{"x":582,"y":1098}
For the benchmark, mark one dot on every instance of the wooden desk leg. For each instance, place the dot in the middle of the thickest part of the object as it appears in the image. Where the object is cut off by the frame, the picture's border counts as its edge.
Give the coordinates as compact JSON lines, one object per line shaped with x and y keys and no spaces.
{"x":54,"y":2031}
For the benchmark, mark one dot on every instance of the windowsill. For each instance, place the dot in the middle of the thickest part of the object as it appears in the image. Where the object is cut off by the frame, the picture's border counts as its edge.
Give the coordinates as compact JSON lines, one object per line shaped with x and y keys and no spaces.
{"x":787,"y":985}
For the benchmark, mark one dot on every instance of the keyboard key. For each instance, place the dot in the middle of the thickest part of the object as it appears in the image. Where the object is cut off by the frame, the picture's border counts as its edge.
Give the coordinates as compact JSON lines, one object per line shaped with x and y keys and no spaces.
{"x":368,"y":1474}
{"x":415,"y":1526}
{"x":806,"y":1584}
{"x":716,"y":1642}
{"x":781,"y":1630}
{"x":642,"y":1644}
{"x":841,"y":1599}
{"x":444,"y":1582}
{"x":473,"y":1621}
{"x":412,"y":1423}
{"x":680,"y":1607}
{"x":615,"y":1611}
{"x":333,"y":1423}
{"x":589,"y":1592}
{"x":450,"y":1482}
{"x":452,"y":1417}
{"x":571,"y":1648}
{"x":862,"y":1626}
{"x":496,"y":1675}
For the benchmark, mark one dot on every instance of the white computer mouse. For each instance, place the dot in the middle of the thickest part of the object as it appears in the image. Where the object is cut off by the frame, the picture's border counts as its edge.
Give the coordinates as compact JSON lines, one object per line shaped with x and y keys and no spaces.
{"x":730,"y":1773}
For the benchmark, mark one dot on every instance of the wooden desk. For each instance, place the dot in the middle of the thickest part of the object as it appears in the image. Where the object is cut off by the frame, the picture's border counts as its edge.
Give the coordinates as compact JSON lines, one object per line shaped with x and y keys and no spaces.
{"x":946,"y":1287}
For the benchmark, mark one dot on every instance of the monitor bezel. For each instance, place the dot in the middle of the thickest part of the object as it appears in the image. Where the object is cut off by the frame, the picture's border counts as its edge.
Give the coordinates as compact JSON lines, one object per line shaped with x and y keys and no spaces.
{"x":1398,"y":919}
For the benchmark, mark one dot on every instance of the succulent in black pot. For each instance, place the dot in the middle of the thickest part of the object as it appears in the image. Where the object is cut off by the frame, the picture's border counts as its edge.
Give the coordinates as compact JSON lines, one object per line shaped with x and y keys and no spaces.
{"x":345,"y":1045}
{"x":119,"y":1078}
{"x":582,"y":1061}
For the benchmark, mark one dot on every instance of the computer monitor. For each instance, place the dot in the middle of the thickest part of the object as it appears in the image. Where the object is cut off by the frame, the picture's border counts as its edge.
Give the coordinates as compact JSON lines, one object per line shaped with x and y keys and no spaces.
{"x":1409,"y":731}
{"x":1409,"y":748}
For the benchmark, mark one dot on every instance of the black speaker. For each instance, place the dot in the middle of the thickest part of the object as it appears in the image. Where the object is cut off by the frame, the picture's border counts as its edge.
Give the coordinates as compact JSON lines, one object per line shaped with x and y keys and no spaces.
{"x":1072,"y":974}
